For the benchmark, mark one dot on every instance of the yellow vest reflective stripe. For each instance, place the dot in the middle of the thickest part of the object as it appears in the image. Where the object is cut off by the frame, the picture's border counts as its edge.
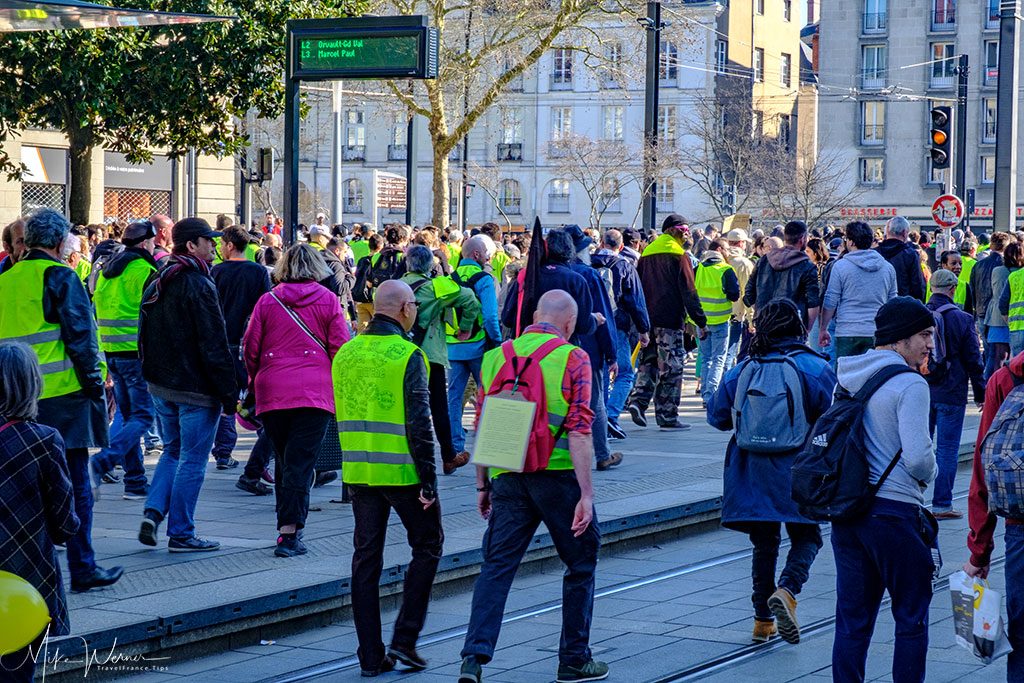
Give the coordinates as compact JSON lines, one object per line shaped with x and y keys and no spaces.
{"x":708,"y":279}
{"x":369,"y":399}
{"x":664,"y":244}
{"x":1016,"y":313}
{"x":553,"y":366}
{"x":21,"y":319}
{"x":117,"y":302}
{"x":465,"y":273}
{"x":960,"y":295}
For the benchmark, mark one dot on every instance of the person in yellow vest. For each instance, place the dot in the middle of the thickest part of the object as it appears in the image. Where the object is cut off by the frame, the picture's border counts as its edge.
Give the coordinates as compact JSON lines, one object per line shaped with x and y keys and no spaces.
{"x":382,"y":401}
{"x":718,"y":288}
{"x":46,"y":306}
{"x":964,"y":295}
{"x":454,"y":245}
{"x":319,"y":236}
{"x":362,"y":290}
{"x":499,"y":259}
{"x":358,"y":244}
{"x":561,"y":496}
{"x":117,"y":299}
{"x":1011,"y":304}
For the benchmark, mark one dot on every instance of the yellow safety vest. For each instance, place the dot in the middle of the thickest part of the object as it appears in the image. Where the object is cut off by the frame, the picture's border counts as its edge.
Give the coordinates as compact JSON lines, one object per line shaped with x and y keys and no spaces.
{"x":960,"y":295}
{"x":118,"y":300}
{"x":1016,"y":313}
{"x":465,"y":273}
{"x":498,"y":263}
{"x":708,"y":279}
{"x":664,"y":244}
{"x":360,"y":248}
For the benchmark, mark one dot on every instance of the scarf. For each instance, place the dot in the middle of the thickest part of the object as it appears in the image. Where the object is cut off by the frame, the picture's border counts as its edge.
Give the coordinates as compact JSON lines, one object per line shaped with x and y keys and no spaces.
{"x":176,"y":265}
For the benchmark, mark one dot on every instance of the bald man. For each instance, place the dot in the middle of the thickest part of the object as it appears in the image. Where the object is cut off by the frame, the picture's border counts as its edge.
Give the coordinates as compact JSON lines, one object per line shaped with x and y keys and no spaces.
{"x":382,"y":401}
{"x":164,"y":243}
{"x":560,"y":495}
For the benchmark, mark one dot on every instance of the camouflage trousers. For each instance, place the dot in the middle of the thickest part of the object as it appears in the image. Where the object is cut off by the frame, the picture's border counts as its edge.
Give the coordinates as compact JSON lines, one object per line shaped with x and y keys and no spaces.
{"x":659,"y":375}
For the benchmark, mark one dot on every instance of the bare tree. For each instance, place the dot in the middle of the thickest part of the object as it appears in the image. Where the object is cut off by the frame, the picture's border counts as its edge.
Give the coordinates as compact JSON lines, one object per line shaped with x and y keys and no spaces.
{"x":812,"y":191}
{"x":598,"y":166}
{"x":653,"y":165}
{"x":487,"y":179}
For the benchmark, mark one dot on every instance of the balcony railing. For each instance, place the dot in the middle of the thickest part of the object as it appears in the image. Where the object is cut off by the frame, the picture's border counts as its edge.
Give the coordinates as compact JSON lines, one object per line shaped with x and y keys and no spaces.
{"x":398,"y":152}
{"x":875,"y":22}
{"x":511,"y":205}
{"x":872,"y":79}
{"x":992,"y":20}
{"x":944,"y":20}
{"x":354,"y":153}
{"x":991,"y":75}
{"x":354,"y":206}
{"x":990,"y":132}
{"x":510,"y":151}
{"x":558,"y":203}
{"x":561,"y":81}
{"x":873,"y":134}
{"x":942,"y":82}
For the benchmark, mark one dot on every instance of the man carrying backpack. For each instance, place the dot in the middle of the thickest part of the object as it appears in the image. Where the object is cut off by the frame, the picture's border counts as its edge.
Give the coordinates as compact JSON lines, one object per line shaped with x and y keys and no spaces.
{"x":554,"y":488}
{"x":890,"y":546}
{"x":956,"y":361}
{"x":754,"y":399}
{"x":718,"y":288}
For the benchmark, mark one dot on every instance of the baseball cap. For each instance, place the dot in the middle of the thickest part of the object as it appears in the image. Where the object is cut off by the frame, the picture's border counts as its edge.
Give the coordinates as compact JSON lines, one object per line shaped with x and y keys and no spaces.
{"x":319,"y":230}
{"x":941,"y":279}
{"x":736,"y":235}
{"x":190,"y":229}
{"x":138,"y":232}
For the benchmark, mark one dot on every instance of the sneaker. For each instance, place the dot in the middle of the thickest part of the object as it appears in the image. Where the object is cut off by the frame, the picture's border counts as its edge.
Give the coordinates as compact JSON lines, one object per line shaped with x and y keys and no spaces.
{"x":192,"y":545}
{"x":324,"y":478}
{"x":147,"y":531}
{"x":639,"y":419}
{"x":674,"y":427}
{"x":153,"y":451}
{"x":783,"y":606}
{"x":591,"y":671}
{"x":609,"y":462}
{"x":615,"y":431}
{"x":226,"y":463}
{"x":253,"y":486}
{"x":764,"y":630}
{"x":267,"y":476}
{"x":407,"y":656}
{"x":949,"y":514}
{"x":386,"y":664}
{"x":110,"y":478}
{"x":471,"y":671}
{"x":457,"y":462}
{"x":290,"y":546}
{"x":140,"y":494}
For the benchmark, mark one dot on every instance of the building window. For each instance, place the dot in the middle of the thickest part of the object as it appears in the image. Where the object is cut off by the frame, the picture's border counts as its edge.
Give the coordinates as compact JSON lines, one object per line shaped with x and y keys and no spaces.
{"x":988,"y":107}
{"x":873,"y":123}
{"x":943,"y":66}
{"x":509,"y":196}
{"x":992,"y":21}
{"x":758,"y":65}
{"x":558,"y":196}
{"x":943,"y":15}
{"x":561,"y":123}
{"x":612,"y":122}
{"x":874,"y":60}
{"x":786,"y":70}
{"x":721,"y":55}
{"x":355,"y":130}
{"x":611,"y":72}
{"x":668,"y":64}
{"x":561,"y":73}
{"x":875,"y":15}
{"x":666,"y":195}
{"x":785,"y":132}
{"x":991,"y":73}
{"x":511,"y":125}
{"x":667,"y":124}
{"x":353,"y":196}
{"x":611,"y":196}
{"x":787,"y":10}
{"x":759,"y":7}
{"x":988,"y":170}
{"x":872,"y":171}
{"x":756,"y":125}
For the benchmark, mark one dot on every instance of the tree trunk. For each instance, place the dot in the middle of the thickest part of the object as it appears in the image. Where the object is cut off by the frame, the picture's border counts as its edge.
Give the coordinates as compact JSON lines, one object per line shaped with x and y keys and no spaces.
{"x":80,"y":200}
{"x":440,"y":213}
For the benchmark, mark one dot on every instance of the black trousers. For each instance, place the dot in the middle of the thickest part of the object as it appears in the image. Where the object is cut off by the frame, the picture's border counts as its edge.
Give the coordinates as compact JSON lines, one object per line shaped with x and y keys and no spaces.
{"x":260,"y":455}
{"x":296,"y":434}
{"x":438,"y":387}
{"x":371,"y":508}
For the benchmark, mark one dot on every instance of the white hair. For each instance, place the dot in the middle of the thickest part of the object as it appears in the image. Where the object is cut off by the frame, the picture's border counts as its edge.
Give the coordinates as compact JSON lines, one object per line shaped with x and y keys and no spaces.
{"x":898,"y":226}
{"x":72,"y":243}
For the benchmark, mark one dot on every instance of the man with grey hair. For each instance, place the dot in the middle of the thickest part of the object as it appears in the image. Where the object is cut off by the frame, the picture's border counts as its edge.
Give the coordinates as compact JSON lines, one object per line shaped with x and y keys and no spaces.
{"x":897,"y":249}
{"x":14,"y":244}
{"x":47,"y":307}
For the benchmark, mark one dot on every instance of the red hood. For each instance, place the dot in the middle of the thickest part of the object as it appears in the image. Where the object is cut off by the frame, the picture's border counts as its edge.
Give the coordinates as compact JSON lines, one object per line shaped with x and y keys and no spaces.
{"x":1017,"y":365}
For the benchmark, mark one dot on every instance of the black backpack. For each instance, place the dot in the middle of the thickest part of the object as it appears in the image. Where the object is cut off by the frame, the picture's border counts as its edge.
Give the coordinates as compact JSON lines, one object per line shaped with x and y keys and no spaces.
{"x":831,"y":473}
{"x":388,"y":266}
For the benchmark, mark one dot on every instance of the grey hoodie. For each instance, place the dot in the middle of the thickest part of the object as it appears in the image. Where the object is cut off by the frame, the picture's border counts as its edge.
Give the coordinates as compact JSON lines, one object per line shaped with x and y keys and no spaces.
{"x":896,"y":417}
{"x":861,"y":281}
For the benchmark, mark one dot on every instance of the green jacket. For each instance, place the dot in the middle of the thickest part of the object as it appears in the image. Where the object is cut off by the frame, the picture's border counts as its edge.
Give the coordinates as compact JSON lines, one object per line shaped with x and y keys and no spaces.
{"x":433,"y":312}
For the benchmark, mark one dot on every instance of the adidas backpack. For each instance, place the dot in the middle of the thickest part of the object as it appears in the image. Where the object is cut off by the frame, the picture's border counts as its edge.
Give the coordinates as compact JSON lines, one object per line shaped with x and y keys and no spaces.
{"x":769,"y":411}
{"x":1002,"y":455}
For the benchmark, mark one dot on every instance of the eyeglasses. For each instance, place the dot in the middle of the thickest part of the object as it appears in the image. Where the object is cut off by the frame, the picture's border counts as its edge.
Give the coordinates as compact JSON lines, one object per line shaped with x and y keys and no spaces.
{"x":412,"y":303}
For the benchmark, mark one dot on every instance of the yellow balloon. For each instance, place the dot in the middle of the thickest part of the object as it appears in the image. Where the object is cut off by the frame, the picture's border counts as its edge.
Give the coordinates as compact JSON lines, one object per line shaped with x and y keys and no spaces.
{"x":23,"y":613}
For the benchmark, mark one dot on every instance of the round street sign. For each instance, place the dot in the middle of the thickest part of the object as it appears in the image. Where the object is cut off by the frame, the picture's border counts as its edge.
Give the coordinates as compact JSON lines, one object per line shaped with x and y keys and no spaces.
{"x":948,"y":211}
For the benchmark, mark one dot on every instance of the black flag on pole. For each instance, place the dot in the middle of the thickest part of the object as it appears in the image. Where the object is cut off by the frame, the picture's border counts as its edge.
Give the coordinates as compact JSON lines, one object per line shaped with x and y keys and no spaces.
{"x":529,"y":278}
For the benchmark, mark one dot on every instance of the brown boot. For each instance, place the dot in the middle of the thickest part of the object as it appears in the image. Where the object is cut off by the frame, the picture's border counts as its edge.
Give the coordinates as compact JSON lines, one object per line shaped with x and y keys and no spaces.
{"x":783,"y":606}
{"x":457,"y":462}
{"x":764,"y":630}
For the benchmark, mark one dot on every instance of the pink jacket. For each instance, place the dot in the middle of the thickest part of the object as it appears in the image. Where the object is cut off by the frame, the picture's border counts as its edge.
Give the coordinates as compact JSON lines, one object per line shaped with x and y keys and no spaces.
{"x":289,"y":369}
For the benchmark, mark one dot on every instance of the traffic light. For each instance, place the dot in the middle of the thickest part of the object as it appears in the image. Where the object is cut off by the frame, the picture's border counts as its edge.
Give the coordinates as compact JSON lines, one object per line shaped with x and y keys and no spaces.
{"x":941,"y":136}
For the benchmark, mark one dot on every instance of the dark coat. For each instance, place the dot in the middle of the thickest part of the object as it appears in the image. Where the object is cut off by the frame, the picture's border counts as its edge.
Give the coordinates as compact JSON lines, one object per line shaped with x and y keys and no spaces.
{"x":630,"y":304}
{"x":38,"y":510}
{"x":905,"y":260}
{"x":554,"y":275}
{"x":670,"y":292}
{"x":600,"y":345}
{"x":785,"y":273}
{"x":981,"y":281}
{"x":340,"y":282}
{"x":965,"y":364}
{"x":757,"y":487}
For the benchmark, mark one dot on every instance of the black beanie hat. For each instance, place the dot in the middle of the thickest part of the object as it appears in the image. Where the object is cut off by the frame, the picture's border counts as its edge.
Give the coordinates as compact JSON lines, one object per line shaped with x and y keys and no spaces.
{"x":901,"y":318}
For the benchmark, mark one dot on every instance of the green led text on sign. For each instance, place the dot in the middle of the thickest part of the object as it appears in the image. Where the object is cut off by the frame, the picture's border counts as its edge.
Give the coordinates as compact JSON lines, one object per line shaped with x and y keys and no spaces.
{"x":364,"y":52}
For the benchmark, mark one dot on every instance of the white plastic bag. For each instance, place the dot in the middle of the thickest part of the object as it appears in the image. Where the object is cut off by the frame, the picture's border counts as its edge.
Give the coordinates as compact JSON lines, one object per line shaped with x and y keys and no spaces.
{"x":977,"y":617}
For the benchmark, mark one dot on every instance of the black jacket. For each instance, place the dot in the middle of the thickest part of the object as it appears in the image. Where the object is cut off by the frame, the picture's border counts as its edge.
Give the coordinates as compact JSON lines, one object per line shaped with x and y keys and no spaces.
{"x":183,"y":343}
{"x":630,"y":304}
{"x":668,"y":287}
{"x":981,"y":282}
{"x":341,"y":280}
{"x":963,"y":354}
{"x":418,"y":428}
{"x":905,"y":260}
{"x":553,"y":275}
{"x":785,"y":273}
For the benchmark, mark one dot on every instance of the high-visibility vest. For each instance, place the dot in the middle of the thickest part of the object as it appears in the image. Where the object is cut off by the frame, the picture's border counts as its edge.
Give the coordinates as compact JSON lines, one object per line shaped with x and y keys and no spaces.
{"x":443,"y":287}
{"x":454,"y":252}
{"x":118,"y":300}
{"x":83,"y":269}
{"x":217,"y":256}
{"x":464,"y":275}
{"x":708,"y":279}
{"x":1016,"y":313}
{"x":553,"y":366}
{"x":498,"y":263}
{"x":960,"y":295}
{"x":360,"y":248}
{"x":369,"y":400}
{"x":251,"y":249}
{"x":664,"y":244}
{"x":316,"y":245}
{"x":21,"y":319}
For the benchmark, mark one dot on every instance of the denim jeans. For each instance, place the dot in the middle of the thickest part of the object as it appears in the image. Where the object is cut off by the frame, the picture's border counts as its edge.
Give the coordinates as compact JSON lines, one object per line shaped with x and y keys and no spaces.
{"x":1016,"y":343}
{"x":519,"y":503}
{"x":713,"y":349}
{"x":599,"y":427}
{"x":152,"y":437}
{"x":136,"y":409}
{"x":1014,"y":539}
{"x":623,"y":383}
{"x":457,"y":381}
{"x":226,"y":437}
{"x":81,"y":558}
{"x":805,"y":542}
{"x":188,"y":433}
{"x":733,"y":349}
{"x":946,"y":423}
{"x":884,"y":550}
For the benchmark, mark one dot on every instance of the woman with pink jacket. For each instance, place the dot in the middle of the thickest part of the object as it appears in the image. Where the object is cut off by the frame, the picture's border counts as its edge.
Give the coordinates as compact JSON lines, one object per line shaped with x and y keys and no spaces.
{"x":293,"y":334}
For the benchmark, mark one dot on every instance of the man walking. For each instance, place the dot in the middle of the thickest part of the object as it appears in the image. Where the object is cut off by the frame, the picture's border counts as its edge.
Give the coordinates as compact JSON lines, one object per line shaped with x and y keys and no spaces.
{"x":787,"y":273}
{"x":858,"y":285}
{"x":382,"y":399}
{"x":118,"y":298}
{"x":668,"y":283}
{"x":560,"y":495}
{"x":981,"y":287}
{"x":899,"y":251}
{"x":717,"y":287}
{"x":191,"y":374}
{"x":742,"y":315}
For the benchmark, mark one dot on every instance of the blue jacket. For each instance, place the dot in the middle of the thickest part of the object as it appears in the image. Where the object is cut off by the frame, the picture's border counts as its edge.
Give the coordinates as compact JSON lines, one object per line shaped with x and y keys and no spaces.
{"x":600,"y":345}
{"x":488,"y":296}
{"x":964,"y":358}
{"x":631,"y":306}
{"x":554,"y":275}
{"x":756,"y":488}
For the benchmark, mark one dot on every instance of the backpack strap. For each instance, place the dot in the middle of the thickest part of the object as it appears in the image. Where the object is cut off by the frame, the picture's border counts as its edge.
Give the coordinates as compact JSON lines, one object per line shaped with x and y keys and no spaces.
{"x":417,"y":286}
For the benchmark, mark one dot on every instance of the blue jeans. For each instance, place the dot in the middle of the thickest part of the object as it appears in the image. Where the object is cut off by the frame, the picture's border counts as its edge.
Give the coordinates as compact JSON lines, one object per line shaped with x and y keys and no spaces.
{"x":136,"y":409}
{"x":458,"y":378}
{"x":226,"y":438}
{"x":81,"y":558}
{"x":1014,"y":539}
{"x":599,"y":428}
{"x":735,"y":339}
{"x":1016,"y":343}
{"x":713,"y":348}
{"x":152,"y":437}
{"x":623,"y":383}
{"x":886,"y":549}
{"x":188,"y":434}
{"x":520,"y":502}
{"x":946,"y":422}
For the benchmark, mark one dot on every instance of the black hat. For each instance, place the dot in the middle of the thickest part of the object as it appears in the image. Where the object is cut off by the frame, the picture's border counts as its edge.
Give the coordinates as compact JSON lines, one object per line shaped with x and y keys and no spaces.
{"x":673,"y":220}
{"x":631,"y":236}
{"x":190,"y":229}
{"x":579,"y":240}
{"x":901,"y":318}
{"x":138,"y":232}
